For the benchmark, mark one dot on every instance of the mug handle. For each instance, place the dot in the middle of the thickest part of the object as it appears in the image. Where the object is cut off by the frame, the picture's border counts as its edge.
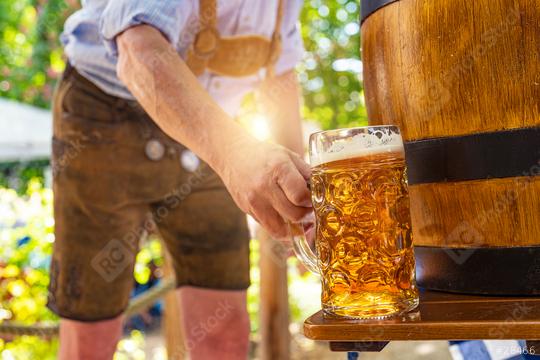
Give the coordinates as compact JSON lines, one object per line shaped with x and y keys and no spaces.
{"x":300,"y":233}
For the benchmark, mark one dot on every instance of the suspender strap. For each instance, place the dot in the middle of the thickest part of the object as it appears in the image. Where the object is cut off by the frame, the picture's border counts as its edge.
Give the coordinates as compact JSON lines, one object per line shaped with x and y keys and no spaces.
{"x":277,"y":44}
{"x":208,"y":13}
{"x":279,"y":19}
{"x":207,"y":40}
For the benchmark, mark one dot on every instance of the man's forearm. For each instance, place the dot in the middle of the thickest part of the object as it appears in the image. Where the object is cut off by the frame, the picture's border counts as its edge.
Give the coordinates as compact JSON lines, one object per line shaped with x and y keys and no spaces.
{"x":265,"y":180}
{"x":172,"y":96}
{"x":280,"y":100}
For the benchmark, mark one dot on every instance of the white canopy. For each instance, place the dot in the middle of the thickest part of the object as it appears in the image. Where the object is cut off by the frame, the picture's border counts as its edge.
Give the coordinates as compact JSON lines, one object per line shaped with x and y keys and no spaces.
{"x":25,"y":132}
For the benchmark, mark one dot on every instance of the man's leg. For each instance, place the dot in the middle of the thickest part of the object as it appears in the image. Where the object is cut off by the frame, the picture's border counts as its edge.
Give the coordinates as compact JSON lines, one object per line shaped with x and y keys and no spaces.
{"x":208,"y":240}
{"x":89,"y":340}
{"x":216,"y":323}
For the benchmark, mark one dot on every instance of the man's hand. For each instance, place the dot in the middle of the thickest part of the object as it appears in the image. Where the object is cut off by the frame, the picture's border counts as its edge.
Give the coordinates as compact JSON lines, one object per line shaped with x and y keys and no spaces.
{"x":279,"y":100}
{"x":266,"y":181}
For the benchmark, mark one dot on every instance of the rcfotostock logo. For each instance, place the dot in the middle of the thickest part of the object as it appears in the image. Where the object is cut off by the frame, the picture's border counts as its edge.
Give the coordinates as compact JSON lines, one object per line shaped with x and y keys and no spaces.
{"x":464,"y":233}
{"x":112,"y":260}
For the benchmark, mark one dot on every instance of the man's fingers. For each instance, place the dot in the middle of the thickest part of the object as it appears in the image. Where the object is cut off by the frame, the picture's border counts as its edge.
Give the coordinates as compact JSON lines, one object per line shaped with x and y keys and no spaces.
{"x":294,"y":185}
{"x":280,"y":193}
{"x":270,"y":220}
{"x":301,"y":165}
{"x":285,"y":208}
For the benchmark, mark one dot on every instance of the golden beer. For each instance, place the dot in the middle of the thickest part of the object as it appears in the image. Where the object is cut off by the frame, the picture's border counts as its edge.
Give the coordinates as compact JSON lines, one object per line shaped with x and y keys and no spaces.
{"x":364,"y":237}
{"x":363,"y":230}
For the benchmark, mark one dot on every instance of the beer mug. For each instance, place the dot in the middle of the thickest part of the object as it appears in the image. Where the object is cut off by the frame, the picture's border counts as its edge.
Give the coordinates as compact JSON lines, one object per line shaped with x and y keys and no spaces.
{"x":362,"y":223}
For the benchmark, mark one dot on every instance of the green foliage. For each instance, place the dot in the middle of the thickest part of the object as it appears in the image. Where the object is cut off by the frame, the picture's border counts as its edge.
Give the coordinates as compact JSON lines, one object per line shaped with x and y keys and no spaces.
{"x":30,"y":53}
{"x":150,"y":253}
{"x":131,"y":348}
{"x":26,"y":237}
{"x":31,"y":57}
{"x":18,"y":175}
{"x":329,"y":74}
{"x":29,"y":347}
{"x":253,"y":291}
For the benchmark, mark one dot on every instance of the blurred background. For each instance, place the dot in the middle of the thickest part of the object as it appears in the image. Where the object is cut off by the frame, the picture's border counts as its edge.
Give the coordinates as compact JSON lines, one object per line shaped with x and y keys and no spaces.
{"x":31,"y":61}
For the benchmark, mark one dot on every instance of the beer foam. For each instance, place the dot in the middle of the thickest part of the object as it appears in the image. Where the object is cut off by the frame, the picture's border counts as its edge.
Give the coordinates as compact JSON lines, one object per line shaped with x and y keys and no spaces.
{"x":358,"y":146}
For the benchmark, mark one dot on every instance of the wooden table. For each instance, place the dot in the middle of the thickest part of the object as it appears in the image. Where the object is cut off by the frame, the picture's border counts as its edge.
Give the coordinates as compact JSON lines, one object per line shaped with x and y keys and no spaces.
{"x":440,"y":316}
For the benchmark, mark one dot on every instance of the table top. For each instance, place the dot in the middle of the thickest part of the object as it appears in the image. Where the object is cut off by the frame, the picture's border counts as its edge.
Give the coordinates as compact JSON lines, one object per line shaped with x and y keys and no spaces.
{"x":440,"y":316}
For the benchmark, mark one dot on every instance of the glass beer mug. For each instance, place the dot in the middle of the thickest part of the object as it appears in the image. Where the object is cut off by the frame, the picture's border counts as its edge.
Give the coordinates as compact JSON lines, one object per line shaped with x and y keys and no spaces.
{"x":362,"y":231}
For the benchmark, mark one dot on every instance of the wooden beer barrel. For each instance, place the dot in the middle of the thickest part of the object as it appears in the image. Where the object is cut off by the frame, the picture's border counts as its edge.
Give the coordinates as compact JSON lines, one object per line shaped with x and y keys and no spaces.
{"x":462,"y":80}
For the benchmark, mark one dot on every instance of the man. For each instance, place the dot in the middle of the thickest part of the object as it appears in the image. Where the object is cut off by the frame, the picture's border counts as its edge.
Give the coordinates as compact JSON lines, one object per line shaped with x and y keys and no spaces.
{"x":146,"y":81}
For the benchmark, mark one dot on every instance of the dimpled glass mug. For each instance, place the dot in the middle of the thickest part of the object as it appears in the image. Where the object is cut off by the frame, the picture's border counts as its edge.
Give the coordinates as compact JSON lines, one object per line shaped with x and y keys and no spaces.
{"x":362,"y":230}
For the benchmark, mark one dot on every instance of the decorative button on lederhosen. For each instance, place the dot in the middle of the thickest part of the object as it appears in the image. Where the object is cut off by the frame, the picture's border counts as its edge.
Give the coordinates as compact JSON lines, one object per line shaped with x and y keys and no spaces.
{"x":155,"y":150}
{"x":189,"y":160}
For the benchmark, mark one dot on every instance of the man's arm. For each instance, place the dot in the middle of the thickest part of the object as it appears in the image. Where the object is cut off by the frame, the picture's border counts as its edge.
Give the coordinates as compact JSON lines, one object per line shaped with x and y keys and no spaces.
{"x":266,"y":181}
{"x":279,"y":98}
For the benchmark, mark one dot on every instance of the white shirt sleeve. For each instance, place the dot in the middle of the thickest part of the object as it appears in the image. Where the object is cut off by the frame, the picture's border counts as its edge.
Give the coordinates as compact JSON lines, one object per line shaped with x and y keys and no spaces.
{"x":168,"y":16}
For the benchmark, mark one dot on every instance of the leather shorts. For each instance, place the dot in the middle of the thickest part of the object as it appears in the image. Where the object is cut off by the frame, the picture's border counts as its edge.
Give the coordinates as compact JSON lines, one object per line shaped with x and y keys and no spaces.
{"x":116,"y":178}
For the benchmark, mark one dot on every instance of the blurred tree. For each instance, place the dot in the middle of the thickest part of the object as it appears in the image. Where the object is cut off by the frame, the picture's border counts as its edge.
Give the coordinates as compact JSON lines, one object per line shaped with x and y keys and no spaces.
{"x":331,"y":70}
{"x":18,"y":175}
{"x":26,"y":237}
{"x":30,"y":52}
{"x":31,"y":56}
